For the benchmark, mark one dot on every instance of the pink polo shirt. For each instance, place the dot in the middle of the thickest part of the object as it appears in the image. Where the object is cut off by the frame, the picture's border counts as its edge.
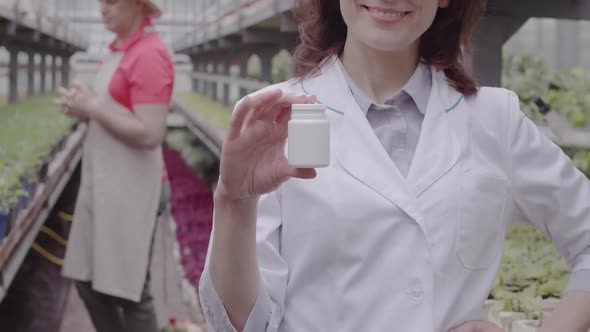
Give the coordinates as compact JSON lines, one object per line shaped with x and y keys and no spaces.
{"x":145,"y":74}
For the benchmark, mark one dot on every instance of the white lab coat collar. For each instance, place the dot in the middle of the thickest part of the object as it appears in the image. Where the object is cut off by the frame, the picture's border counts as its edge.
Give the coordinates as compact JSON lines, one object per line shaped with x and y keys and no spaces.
{"x":417,"y":89}
{"x":330,"y":72}
{"x":359,"y":151}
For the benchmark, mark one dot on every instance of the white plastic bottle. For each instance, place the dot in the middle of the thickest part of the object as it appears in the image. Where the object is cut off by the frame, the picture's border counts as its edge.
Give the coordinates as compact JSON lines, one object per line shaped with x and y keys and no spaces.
{"x":308,"y":143}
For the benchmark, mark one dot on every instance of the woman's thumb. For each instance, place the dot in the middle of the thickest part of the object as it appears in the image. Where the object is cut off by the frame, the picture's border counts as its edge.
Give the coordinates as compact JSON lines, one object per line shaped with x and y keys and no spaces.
{"x":302,"y":173}
{"x":79,"y":86}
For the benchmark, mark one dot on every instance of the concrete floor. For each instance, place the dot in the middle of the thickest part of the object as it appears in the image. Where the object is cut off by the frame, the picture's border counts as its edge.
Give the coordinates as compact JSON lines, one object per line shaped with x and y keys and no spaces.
{"x":165,"y":288}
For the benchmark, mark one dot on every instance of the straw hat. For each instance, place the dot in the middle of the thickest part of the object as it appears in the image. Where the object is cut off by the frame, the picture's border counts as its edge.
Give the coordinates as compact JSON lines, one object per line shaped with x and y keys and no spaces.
{"x":152,"y":9}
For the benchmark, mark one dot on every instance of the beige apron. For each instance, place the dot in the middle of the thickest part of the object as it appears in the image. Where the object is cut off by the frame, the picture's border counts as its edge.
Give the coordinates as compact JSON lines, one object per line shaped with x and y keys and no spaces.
{"x":114,"y":219}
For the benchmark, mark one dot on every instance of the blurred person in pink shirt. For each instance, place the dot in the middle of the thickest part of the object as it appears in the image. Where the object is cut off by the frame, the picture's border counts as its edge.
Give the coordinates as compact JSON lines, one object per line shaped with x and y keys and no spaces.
{"x":116,"y":211}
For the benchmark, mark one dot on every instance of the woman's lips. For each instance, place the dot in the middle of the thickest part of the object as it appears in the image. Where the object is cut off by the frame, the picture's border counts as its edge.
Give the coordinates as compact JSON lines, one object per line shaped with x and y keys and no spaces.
{"x":386,"y":15}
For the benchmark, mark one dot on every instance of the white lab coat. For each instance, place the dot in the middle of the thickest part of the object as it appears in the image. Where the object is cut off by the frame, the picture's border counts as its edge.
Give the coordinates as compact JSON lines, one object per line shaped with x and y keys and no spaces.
{"x":361,"y":248}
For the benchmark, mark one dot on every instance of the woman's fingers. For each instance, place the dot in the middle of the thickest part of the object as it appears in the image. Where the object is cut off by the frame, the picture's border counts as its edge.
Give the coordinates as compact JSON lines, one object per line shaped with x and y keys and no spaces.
{"x":301,"y":173}
{"x":63,"y":92}
{"x":266,"y":98}
{"x":59,"y":101}
{"x":78,"y":86}
{"x":272,"y":111}
{"x":67,"y":96}
{"x":284,"y":116}
{"x":261,"y":101}
{"x":62,"y":103}
{"x":244,"y":113}
{"x":276,"y":113}
{"x":237,"y":120}
{"x":268,"y":106}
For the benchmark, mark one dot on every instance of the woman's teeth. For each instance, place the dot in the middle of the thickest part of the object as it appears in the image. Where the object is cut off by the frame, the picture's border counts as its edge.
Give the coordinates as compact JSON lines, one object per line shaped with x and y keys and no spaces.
{"x":385,"y":14}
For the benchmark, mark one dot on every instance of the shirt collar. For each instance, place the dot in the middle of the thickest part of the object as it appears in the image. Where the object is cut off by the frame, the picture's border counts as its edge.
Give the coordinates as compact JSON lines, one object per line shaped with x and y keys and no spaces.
{"x":145,"y":27}
{"x":418,"y":88}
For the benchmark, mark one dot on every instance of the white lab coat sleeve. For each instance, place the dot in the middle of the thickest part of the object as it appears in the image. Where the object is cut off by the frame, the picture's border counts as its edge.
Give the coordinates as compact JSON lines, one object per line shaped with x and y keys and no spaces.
{"x":267,"y":312}
{"x":552,"y":194}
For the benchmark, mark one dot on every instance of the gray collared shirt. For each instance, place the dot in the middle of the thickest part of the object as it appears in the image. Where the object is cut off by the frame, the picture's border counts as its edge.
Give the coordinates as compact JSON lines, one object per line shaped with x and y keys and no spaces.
{"x":398,"y":122}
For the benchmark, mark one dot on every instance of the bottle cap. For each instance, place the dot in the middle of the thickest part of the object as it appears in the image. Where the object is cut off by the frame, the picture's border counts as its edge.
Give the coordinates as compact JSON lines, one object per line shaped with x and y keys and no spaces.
{"x":308,"y":111}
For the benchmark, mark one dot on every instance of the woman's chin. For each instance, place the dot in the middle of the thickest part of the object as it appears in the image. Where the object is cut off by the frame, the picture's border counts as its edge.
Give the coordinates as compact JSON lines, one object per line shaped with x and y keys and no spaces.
{"x":384,"y":42}
{"x":110,"y":27}
{"x":387,"y":46}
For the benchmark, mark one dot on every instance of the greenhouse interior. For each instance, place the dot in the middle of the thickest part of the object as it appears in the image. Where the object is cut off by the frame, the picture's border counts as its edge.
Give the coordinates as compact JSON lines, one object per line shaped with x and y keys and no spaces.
{"x":209,"y":56}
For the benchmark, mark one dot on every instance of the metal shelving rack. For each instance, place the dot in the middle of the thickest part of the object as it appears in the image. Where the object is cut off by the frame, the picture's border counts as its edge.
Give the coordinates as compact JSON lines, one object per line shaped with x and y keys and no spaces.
{"x":14,"y":248}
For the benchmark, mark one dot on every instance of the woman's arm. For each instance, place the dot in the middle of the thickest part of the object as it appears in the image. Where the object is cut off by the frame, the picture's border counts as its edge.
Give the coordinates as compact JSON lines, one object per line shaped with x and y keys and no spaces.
{"x":571,"y":314}
{"x":252,"y":164}
{"x":150,"y":81}
{"x":144,"y":128}
{"x":555,"y":197}
{"x":233,"y":265}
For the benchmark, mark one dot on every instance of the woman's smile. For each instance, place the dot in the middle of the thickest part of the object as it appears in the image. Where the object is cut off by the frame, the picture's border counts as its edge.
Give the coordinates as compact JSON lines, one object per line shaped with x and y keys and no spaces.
{"x":385,"y":15}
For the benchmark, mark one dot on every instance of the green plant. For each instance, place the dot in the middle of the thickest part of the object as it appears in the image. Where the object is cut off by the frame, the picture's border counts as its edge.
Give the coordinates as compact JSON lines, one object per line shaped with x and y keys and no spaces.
{"x":28,"y":132}
{"x":567,"y":92}
{"x":582,"y":161}
{"x":213,"y":111}
{"x":531,"y":270}
{"x":519,"y":302}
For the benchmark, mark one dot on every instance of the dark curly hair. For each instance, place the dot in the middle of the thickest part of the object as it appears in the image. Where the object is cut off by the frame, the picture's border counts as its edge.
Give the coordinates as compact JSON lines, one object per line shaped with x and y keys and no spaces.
{"x":323,"y":33}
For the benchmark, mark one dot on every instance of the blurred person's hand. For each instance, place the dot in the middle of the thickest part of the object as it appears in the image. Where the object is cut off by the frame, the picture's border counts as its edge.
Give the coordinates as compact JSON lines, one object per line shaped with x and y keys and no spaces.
{"x":253,"y":161}
{"x":77,"y":102}
{"x":62,"y":101}
{"x":477,"y":326}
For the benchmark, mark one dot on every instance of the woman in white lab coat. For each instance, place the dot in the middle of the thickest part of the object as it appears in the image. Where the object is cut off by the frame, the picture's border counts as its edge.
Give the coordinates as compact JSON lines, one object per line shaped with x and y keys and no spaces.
{"x":404,"y":230}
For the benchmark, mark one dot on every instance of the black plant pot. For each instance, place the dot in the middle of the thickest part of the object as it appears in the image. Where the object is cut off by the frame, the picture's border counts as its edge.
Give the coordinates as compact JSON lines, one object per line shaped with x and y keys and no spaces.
{"x":43,"y":169}
{"x":58,"y":146}
{"x":4,"y":224}
{"x":62,"y":142}
{"x":74,"y":126}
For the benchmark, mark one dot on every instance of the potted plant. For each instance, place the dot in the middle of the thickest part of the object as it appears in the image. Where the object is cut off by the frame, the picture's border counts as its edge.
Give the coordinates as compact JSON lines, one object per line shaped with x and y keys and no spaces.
{"x":530,"y":280}
{"x":526,"y":326}
{"x":515,"y":306}
{"x":43,"y":170}
{"x":5,"y":219}
{"x":8,"y":211}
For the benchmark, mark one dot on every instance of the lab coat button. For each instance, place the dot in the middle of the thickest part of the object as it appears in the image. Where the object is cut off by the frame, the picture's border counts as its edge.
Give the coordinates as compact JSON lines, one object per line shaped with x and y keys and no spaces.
{"x":416,"y":291}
